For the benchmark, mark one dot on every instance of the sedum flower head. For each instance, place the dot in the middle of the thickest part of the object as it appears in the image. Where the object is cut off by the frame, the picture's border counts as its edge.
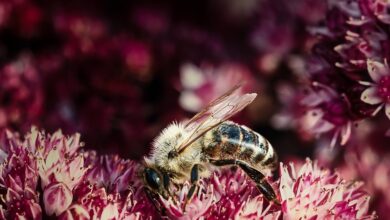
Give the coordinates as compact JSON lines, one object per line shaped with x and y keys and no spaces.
{"x":226,"y":194}
{"x":48,"y":175}
{"x":348,"y":68}
{"x":314,"y":193}
{"x":18,"y":180}
{"x":309,"y":193}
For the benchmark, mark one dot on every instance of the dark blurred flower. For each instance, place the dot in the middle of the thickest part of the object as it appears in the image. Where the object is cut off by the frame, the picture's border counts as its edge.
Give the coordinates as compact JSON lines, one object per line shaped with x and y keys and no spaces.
{"x":20,"y":90}
{"x":279,"y":38}
{"x":326,"y":112}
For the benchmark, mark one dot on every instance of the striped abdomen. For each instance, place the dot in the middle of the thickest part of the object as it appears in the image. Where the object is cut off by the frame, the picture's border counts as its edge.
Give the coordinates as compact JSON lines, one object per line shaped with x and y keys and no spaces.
{"x":232,"y":141}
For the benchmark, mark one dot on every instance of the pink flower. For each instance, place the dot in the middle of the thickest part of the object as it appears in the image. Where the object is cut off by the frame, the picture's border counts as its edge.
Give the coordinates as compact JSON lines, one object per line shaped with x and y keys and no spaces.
{"x":308,"y":194}
{"x":347,"y":54}
{"x":314,"y":193}
{"x":326,"y":112}
{"x":72,"y":184}
{"x":19,"y":179}
{"x":371,"y":165}
{"x":227,"y":195}
{"x":60,"y":166}
{"x":378,"y":92}
{"x":111,"y":190}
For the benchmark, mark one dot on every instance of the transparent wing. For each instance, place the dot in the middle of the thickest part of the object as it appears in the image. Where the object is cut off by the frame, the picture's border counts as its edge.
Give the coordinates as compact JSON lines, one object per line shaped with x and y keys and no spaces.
{"x":215,"y":113}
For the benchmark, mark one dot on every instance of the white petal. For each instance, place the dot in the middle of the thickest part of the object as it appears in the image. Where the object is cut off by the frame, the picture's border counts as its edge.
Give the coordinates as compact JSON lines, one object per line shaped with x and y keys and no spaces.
{"x":387,"y":110}
{"x":370,"y":96}
{"x":345,"y":133}
{"x":110,"y":212}
{"x":191,"y":76}
{"x":376,"y":70}
{"x":322,"y":126}
{"x":365,"y":83}
{"x":52,"y":158}
{"x":377,"y":110}
{"x":190,"y":102}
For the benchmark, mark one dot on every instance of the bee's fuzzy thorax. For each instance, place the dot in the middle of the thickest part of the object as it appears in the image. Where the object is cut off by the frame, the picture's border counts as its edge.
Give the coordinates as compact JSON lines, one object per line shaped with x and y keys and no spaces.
{"x":165,"y":142}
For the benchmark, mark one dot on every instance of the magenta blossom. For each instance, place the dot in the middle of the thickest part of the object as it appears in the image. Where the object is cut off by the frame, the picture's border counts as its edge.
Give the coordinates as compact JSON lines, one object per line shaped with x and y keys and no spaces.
{"x":20,"y":90}
{"x":310,"y":193}
{"x":226,"y":194}
{"x":348,"y":64}
{"x":48,"y":175}
{"x":18,"y":179}
{"x":378,"y":91}
{"x":314,"y":193}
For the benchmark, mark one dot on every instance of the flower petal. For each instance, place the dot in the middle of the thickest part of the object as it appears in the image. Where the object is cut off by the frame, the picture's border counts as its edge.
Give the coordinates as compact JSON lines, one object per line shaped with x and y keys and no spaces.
{"x":387,"y":110}
{"x":75,"y":212}
{"x":34,"y":210}
{"x":191,"y":76}
{"x":376,"y":70}
{"x":57,"y":198}
{"x":110,"y":212}
{"x":370,"y":96}
{"x":345,"y":133}
{"x":190,"y":101}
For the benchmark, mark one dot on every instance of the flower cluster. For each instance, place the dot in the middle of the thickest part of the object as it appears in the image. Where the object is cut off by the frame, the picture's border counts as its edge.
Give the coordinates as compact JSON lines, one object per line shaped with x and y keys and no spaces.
{"x":19,"y":180}
{"x":226,"y":195}
{"x":309,"y":193}
{"x":47,"y":175}
{"x":347,"y":96}
{"x":317,"y":193}
{"x":348,"y":72}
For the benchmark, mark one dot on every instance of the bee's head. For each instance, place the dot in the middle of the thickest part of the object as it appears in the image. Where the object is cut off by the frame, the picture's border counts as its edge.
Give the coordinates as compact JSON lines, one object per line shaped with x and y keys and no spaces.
{"x":156,"y":181}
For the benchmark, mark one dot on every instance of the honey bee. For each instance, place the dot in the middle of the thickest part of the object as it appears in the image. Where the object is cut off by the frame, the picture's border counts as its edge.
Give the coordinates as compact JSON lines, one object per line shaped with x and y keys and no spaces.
{"x":184,"y":151}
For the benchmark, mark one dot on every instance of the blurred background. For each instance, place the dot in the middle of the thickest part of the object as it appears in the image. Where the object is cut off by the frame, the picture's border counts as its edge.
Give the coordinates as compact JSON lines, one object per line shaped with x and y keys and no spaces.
{"x":120,"y":71}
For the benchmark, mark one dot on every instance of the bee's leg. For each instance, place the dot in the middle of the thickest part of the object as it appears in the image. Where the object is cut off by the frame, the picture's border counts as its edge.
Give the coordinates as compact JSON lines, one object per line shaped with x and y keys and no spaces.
{"x":153,"y":197}
{"x":259,"y":178}
{"x":166,"y":182}
{"x":194,"y":182}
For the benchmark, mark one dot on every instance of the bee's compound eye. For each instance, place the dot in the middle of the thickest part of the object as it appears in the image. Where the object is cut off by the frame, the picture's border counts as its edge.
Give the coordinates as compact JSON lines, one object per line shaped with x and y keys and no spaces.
{"x":152,"y":178}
